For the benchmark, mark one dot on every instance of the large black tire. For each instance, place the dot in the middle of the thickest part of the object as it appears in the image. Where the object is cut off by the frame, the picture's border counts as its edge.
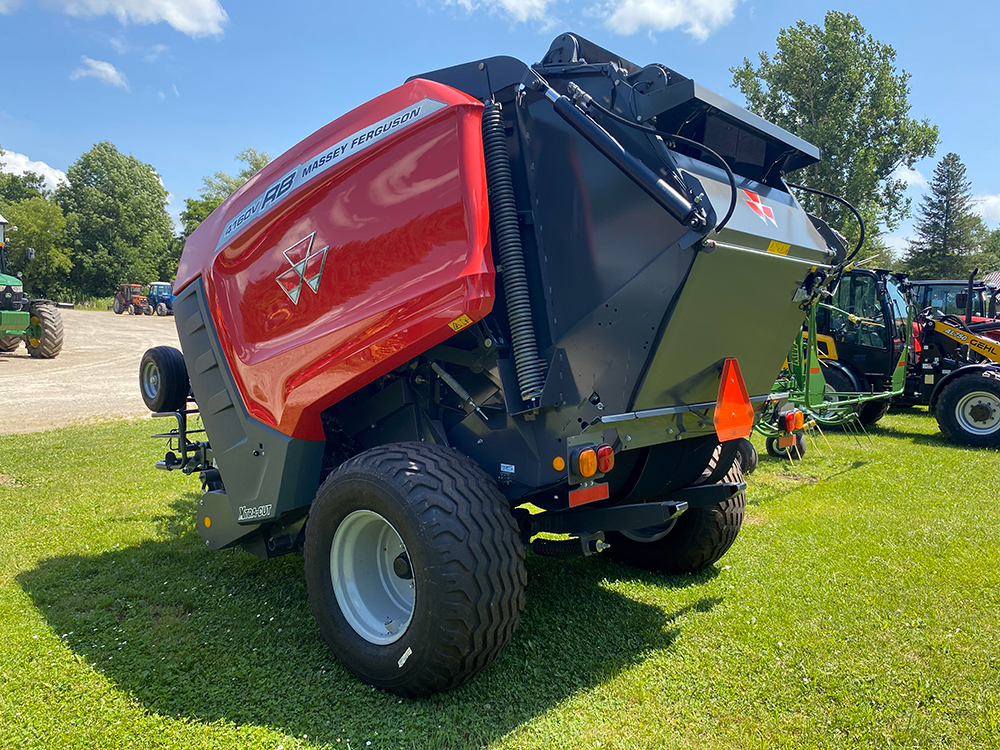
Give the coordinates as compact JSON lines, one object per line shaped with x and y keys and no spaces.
{"x":9,"y":343}
{"x":118,"y":305}
{"x":44,"y":339}
{"x":968,"y":409}
{"x":459,"y":543}
{"x":163,"y":379}
{"x":795,"y":451}
{"x":747,"y":456}
{"x":161,"y":309}
{"x":871,"y":412}
{"x":147,"y":310}
{"x":695,"y":540}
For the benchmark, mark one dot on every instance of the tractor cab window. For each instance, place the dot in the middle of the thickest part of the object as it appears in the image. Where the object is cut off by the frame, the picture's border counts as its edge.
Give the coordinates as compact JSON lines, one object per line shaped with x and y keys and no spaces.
{"x":945,"y":299}
{"x":900,"y":315}
{"x":857,"y":315}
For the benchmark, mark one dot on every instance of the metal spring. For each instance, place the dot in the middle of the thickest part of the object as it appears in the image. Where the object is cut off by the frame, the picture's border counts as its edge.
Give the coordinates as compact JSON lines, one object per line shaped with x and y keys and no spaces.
{"x":503,"y":210}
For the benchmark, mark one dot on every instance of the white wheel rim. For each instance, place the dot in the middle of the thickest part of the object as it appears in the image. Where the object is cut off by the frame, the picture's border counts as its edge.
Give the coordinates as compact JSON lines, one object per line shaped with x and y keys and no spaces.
{"x":374,"y":599}
{"x":151,"y":379}
{"x":978,"y":413}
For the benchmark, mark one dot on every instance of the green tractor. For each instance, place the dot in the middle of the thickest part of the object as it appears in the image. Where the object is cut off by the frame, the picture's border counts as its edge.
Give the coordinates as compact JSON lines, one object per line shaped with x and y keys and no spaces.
{"x":36,"y":321}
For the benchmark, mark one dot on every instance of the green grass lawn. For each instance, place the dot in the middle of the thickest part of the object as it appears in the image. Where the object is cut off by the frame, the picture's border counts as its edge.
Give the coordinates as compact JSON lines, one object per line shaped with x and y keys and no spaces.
{"x":858,"y":608}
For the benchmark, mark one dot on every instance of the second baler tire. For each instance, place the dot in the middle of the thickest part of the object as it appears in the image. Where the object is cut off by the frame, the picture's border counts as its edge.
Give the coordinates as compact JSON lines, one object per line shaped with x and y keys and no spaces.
{"x":163,"y":379}
{"x":463,"y":552}
{"x":697,"y":539}
{"x":746,"y":453}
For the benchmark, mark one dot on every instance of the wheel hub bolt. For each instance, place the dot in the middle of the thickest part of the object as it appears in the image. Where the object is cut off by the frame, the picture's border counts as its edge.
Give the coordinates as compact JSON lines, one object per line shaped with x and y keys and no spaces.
{"x":401,"y":567}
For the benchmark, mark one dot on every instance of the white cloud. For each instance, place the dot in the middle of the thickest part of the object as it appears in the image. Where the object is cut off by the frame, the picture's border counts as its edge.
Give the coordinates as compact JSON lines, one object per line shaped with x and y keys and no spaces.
{"x":192,"y":17}
{"x":988,"y":206}
{"x":154,"y":53}
{"x":176,"y":92}
{"x":911,"y":177}
{"x":699,"y":18}
{"x":15,"y":163}
{"x":897,"y":245}
{"x":520,"y":10}
{"x":102,"y":71}
{"x":118,"y":44}
{"x":161,"y":95}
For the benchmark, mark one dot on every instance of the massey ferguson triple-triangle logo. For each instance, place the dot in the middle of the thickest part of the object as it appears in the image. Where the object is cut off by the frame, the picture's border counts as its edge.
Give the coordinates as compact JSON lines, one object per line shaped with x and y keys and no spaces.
{"x":765,"y":213}
{"x":307,"y":268}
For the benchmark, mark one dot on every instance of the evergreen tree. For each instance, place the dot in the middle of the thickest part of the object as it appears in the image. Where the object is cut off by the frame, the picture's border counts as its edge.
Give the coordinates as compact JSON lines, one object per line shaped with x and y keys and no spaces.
{"x":949,"y":231}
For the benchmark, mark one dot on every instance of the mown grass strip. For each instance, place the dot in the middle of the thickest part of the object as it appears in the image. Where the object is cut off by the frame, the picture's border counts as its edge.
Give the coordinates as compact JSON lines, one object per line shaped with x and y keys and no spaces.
{"x":857,"y":609}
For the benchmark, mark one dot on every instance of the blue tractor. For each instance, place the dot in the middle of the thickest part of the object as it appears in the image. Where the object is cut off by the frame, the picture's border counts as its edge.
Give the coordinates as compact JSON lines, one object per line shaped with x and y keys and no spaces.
{"x":161,"y":298}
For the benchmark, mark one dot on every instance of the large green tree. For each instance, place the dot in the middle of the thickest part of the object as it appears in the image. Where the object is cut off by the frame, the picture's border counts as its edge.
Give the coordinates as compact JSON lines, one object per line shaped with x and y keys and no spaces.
{"x":41,"y":232}
{"x":837,"y":87}
{"x":950,"y":233}
{"x":18,"y":187}
{"x":115,"y":207}
{"x":217,"y":188}
{"x":221,"y":185}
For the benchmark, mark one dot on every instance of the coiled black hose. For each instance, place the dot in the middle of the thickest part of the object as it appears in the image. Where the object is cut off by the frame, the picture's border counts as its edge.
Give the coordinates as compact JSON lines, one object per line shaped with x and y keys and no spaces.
{"x":503,"y":211}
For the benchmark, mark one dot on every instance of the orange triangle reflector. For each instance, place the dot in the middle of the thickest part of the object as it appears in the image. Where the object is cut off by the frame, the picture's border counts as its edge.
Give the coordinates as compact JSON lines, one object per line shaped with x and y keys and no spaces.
{"x":733,"y":411}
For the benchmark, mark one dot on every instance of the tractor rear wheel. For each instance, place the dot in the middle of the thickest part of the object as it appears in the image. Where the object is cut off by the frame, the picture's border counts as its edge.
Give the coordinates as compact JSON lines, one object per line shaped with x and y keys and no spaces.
{"x":968,"y":409}
{"x":414,"y":567}
{"x":9,"y":343}
{"x":118,"y":305}
{"x":693,"y":541}
{"x":871,"y":412}
{"x":44,"y":338}
{"x":163,"y":379}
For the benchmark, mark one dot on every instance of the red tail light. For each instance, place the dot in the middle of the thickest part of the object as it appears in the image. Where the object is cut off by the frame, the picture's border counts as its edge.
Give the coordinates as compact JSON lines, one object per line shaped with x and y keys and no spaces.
{"x":605,"y":458}
{"x":733,"y":411}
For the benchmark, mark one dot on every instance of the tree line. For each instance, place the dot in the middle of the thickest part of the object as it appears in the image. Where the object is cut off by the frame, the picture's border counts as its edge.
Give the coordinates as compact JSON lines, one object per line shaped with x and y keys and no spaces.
{"x":833,"y":85}
{"x":106,"y":225}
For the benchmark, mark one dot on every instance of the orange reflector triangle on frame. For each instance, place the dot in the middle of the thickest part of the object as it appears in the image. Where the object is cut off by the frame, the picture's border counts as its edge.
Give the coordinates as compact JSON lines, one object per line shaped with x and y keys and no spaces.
{"x":733,"y":411}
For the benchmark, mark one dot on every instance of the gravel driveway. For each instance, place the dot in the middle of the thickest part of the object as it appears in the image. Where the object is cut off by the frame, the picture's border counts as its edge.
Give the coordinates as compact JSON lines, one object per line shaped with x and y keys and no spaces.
{"x":95,"y":378}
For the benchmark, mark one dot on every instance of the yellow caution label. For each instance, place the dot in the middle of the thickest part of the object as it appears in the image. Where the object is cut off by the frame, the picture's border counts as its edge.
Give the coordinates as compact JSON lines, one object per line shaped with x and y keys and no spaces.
{"x":459,"y":323}
{"x":778,"y":248}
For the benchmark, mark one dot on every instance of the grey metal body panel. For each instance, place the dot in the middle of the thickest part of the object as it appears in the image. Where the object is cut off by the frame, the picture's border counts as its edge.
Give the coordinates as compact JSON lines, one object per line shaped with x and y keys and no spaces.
{"x":265,"y":473}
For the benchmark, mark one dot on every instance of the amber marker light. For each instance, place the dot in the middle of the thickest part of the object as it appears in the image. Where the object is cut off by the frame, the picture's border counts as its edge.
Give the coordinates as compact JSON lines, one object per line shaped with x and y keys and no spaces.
{"x":208,"y":522}
{"x":800,"y":420}
{"x":587,"y":463}
{"x":558,"y":463}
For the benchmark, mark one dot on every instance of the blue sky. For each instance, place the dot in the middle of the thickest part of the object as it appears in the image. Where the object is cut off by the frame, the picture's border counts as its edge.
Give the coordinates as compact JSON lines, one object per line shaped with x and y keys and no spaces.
{"x":185,"y":84}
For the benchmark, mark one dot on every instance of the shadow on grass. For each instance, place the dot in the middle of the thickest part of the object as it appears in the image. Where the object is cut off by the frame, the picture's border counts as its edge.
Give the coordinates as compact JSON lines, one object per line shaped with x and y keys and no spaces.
{"x":208,"y":636}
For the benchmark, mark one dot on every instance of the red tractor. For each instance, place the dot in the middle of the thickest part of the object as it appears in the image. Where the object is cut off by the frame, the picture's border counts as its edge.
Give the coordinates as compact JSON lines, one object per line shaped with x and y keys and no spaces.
{"x":434,"y":312}
{"x":130,"y":299}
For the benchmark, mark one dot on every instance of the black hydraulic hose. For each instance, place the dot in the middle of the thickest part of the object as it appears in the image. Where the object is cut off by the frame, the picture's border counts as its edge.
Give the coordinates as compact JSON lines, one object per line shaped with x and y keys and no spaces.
{"x":676,"y":204}
{"x":861,"y":222}
{"x":734,"y":197}
{"x":503,"y":211}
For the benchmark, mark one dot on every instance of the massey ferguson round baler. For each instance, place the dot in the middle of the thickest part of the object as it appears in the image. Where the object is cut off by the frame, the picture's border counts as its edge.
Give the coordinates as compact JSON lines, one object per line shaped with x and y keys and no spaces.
{"x":569,"y":285}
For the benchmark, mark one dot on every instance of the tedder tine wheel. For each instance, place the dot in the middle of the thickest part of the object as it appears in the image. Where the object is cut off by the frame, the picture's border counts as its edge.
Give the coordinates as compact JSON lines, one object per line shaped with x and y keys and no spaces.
{"x":163,"y":379}
{"x":796,"y":451}
{"x":44,"y":336}
{"x":968,"y":409}
{"x":414,"y":567}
